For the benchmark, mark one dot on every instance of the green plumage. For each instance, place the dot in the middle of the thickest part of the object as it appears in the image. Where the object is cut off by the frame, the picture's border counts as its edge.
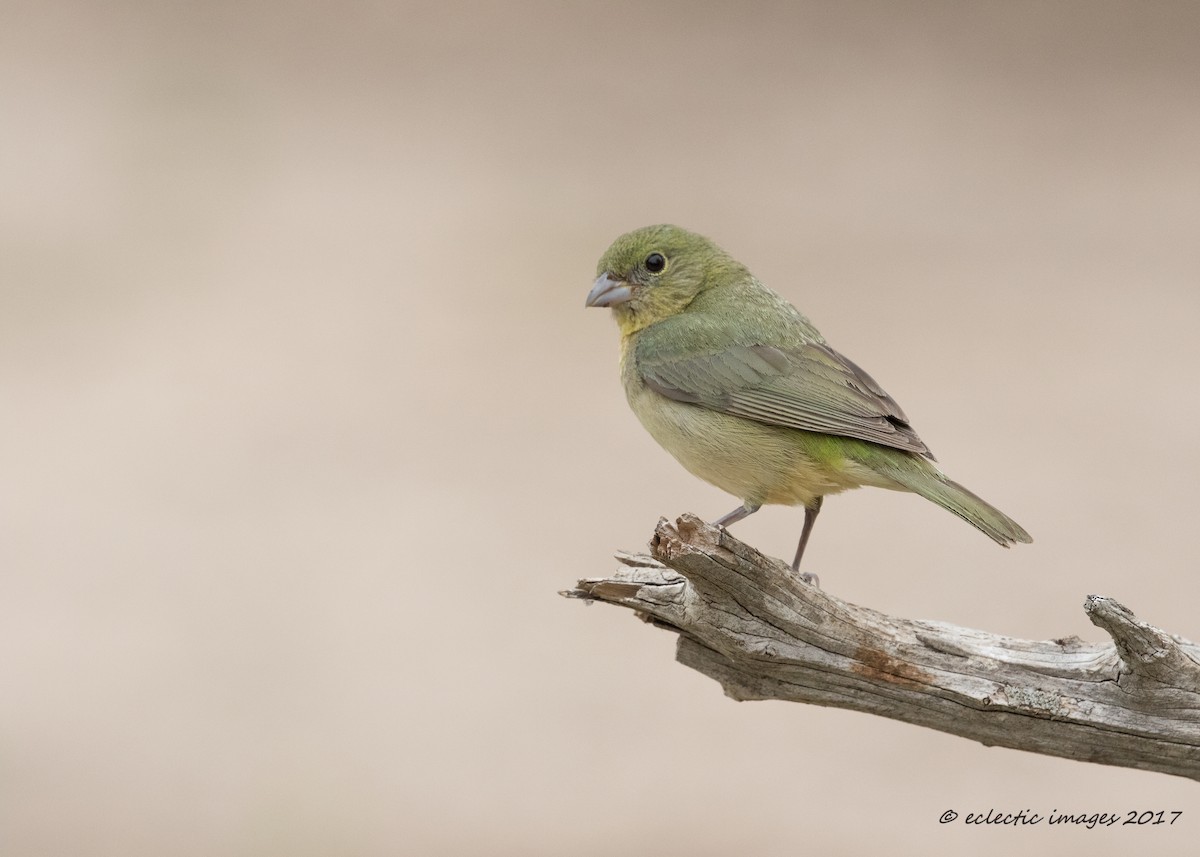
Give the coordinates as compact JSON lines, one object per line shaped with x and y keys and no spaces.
{"x":740,"y":387}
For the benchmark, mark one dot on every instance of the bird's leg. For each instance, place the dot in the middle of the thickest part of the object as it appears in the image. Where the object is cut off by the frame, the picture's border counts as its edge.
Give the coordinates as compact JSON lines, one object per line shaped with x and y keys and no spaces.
{"x":743,"y":511}
{"x":810,"y":518}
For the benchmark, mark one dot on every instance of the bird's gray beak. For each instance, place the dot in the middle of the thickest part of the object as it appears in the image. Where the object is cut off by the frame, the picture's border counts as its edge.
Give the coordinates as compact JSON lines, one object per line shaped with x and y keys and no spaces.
{"x":608,"y":291}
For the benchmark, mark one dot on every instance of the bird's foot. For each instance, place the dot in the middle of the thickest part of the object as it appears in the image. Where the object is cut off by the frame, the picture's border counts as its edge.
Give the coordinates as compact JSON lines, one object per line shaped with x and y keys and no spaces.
{"x":809,"y":578}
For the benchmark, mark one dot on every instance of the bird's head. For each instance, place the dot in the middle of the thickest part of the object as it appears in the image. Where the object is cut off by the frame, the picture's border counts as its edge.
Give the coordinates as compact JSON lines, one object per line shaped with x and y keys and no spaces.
{"x":652,"y":273}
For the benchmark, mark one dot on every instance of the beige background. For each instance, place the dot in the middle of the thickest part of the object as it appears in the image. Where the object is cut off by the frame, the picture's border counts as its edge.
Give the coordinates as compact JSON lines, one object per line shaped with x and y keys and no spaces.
{"x":304,"y":422}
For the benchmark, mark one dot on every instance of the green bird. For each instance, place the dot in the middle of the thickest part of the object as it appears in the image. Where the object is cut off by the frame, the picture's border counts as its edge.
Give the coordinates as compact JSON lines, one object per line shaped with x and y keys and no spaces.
{"x":740,"y":387}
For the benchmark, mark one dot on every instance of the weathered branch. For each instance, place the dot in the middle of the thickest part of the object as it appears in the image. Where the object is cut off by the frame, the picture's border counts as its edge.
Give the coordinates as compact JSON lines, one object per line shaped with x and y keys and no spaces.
{"x":747,"y":621}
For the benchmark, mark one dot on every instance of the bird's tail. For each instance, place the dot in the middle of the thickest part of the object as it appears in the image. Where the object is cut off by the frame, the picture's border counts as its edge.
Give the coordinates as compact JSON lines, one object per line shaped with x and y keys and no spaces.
{"x":931,"y":484}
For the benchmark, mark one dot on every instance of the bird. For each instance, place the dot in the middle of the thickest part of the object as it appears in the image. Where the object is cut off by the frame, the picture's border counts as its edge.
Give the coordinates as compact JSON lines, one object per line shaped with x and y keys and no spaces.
{"x":740,"y":387}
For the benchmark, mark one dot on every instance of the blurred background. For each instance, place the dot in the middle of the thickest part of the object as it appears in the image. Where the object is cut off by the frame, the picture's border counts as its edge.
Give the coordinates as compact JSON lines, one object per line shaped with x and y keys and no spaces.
{"x":305,"y":423}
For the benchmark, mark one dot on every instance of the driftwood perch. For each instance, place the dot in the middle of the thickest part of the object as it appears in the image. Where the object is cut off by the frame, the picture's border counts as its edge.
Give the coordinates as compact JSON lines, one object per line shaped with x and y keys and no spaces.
{"x":745,"y":620}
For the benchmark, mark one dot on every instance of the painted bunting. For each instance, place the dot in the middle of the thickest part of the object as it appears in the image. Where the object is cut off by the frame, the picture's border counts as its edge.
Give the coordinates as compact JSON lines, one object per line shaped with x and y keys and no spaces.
{"x":735,"y":383}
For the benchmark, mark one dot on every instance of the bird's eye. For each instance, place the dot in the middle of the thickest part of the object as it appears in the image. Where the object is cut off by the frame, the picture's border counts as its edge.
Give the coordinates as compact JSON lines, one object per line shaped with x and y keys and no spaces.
{"x":655,"y":262}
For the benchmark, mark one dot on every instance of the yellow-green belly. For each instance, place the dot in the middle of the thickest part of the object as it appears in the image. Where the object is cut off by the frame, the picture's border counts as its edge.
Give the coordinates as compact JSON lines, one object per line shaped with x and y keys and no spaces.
{"x":757,"y":462}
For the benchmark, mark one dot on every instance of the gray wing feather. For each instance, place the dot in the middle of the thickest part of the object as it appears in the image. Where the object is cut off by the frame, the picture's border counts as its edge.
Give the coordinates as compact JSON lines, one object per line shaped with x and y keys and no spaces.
{"x":812,"y":388}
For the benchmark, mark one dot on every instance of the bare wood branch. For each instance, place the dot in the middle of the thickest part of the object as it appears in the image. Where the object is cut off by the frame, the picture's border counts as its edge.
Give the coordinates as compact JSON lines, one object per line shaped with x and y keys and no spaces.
{"x":747,"y":621}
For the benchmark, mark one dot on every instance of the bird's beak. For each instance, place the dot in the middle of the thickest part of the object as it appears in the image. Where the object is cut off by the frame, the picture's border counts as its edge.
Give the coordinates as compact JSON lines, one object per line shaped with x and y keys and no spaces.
{"x":609,"y":291}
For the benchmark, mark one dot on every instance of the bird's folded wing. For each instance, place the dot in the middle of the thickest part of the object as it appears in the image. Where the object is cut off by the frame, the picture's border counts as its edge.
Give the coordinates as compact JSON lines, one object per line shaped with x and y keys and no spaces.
{"x":810,"y":387}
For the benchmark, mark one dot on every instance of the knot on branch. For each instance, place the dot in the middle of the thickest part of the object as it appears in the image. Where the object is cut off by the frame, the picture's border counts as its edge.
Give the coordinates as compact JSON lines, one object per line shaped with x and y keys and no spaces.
{"x":1146,"y":653}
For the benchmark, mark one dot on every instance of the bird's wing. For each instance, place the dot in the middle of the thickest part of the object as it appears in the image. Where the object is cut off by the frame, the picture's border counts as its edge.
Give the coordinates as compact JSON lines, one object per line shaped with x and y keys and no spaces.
{"x":809,"y":386}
